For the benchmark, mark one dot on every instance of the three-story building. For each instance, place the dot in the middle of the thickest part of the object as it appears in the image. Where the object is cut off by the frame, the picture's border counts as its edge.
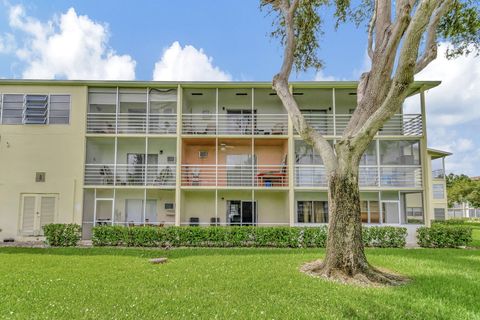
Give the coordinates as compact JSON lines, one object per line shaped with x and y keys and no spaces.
{"x":195,"y":153}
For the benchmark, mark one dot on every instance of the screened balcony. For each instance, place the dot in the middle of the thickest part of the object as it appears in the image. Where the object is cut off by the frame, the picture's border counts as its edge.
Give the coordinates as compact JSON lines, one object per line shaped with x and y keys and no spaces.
{"x":137,"y":162}
{"x":329,"y":112}
{"x":132,"y":111}
{"x":233,"y":112}
{"x":234,"y":163}
{"x":385,"y":164}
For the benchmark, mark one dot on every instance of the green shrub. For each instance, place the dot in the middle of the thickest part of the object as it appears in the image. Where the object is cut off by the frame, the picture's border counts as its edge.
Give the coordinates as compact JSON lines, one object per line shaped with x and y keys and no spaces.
{"x":456,"y":221}
{"x":384,"y":237}
{"x":235,"y":236}
{"x":62,"y":235}
{"x":444,"y":236}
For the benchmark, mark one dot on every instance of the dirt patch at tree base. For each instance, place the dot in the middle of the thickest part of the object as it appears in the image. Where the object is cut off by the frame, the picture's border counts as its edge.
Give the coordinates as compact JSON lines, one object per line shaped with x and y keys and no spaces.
{"x":372,"y":277}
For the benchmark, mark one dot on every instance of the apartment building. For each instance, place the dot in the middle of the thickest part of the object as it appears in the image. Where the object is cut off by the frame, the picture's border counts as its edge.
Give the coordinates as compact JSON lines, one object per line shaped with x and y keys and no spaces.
{"x":197,"y":153}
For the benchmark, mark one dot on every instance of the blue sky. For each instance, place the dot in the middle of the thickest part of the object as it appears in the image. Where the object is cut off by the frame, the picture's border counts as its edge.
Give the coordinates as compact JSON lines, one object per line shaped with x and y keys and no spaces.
{"x":211,"y":40}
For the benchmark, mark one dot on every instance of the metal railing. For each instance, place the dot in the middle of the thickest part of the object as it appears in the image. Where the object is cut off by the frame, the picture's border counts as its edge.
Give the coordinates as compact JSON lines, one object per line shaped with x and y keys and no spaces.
{"x":235,"y":124}
{"x":398,"y":125}
{"x":131,"y":123}
{"x":369,"y":176}
{"x":238,"y":124}
{"x":234,"y":175}
{"x":438,"y":174}
{"x":130,"y":175}
{"x":396,"y":176}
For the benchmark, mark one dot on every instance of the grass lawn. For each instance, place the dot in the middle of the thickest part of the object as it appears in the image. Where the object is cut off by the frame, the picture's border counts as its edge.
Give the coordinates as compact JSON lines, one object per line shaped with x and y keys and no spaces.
{"x":475,"y":236}
{"x":110,"y":283}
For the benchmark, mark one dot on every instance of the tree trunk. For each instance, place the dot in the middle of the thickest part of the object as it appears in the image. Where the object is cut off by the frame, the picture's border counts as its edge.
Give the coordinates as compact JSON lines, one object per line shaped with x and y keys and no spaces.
{"x":345,"y":260}
{"x":344,"y":246}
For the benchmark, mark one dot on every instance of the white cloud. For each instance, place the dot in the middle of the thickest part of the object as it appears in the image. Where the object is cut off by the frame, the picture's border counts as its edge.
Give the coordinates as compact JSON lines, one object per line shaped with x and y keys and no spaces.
{"x":456,"y":100}
{"x":187,"y":64}
{"x":319,"y":76}
{"x":70,"y":46}
{"x":7,"y":43}
{"x":452,"y":110}
{"x":466,"y":154}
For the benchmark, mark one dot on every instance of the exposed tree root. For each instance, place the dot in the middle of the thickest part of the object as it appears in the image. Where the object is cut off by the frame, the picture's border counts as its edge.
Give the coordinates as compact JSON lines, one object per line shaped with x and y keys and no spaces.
{"x":368,"y":277}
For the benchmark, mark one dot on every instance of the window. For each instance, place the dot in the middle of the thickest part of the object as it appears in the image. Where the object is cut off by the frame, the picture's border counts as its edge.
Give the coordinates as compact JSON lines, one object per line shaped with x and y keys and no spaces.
{"x":438,"y":191}
{"x":370,"y":211}
{"x":439,"y":213}
{"x":59,"y":112}
{"x":35,"y":109}
{"x":312,"y":211}
{"x":412,"y":207}
{"x":394,"y":152}
{"x":12,"y":109}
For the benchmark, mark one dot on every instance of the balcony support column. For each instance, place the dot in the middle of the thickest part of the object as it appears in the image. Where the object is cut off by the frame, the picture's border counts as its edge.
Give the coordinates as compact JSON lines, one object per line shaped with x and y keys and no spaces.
{"x":425,"y":163}
{"x":178,"y":167}
{"x":291,"y":171}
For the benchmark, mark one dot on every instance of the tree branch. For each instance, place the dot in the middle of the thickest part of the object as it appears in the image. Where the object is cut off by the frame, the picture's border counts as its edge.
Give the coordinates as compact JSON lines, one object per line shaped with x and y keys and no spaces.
{"x":430,"y":51}
{"x":371,"y":28}
{"x":403,"y":75}
{"x":280,"y":84}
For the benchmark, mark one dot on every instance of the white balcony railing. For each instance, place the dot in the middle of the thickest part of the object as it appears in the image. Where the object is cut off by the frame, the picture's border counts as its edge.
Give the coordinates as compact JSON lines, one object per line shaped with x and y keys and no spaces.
{"x":238,"y":124}
{"x":130,"y":175}
{"x":131,"y":123}
{"x":235,"y":124}
{"x":369,"y":176}
{"x":235,"y":175}
{"x":398,"y":125}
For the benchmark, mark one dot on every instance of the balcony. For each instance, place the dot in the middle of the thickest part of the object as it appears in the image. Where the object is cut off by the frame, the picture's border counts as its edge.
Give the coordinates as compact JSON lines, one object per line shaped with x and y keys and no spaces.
{"x":234,"y":176}
{"x":235,"y":124}
{"x":398,"y":125}
{"x":369,"y":176}
{"x":129,"y":175}
{"x":132,"y":111}
{"x":125,"y":123}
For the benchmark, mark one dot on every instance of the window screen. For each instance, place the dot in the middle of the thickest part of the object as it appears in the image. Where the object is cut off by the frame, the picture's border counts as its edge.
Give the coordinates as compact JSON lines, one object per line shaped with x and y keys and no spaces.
{"x":438,"y":191}
{"x":59,"y":109}
{"x":439,"y":213}
{"x":12,"y":108}
{"x":35,"y":110}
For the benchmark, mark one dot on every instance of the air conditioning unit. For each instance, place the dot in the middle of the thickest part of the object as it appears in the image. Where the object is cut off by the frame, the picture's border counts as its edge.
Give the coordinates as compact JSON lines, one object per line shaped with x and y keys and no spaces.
{"x":170,"y":159}
{"x":169,"y":206}
{"x":203,"y":154}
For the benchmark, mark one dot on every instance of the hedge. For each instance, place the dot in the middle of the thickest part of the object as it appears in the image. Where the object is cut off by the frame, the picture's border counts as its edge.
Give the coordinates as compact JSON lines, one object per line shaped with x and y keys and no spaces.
{"x":384,"y":237}
{"x":458,"y":221}
{"x":444,"y":236}
{"x":282,"y":237}
{"x":62,"y":235}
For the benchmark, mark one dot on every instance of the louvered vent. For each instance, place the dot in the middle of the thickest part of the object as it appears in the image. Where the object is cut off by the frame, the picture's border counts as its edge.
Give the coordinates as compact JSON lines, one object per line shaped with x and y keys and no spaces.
{"x":36,"y":109}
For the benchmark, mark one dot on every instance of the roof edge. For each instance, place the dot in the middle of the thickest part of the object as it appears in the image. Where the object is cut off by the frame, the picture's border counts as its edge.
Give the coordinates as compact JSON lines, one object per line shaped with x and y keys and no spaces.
{"x":139,"y":83}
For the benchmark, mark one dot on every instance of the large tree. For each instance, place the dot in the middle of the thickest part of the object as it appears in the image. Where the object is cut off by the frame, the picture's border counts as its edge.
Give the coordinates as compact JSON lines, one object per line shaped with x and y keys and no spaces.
{"x":403,"y":37}
{"x":462,"y":189}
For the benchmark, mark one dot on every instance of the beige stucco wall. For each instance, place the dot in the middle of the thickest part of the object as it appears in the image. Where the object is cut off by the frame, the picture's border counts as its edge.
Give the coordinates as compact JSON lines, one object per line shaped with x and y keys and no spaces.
{"x":57,"y":150}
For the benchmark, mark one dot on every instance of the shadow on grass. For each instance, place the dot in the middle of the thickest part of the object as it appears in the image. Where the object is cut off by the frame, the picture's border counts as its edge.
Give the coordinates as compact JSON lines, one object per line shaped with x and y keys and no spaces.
{"x":155,"y":252}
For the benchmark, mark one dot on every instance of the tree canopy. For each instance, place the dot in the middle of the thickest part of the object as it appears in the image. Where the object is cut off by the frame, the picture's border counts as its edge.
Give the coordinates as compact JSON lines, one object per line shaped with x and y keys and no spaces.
{"x":459,"y":27}
{"x":461,"y":188}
